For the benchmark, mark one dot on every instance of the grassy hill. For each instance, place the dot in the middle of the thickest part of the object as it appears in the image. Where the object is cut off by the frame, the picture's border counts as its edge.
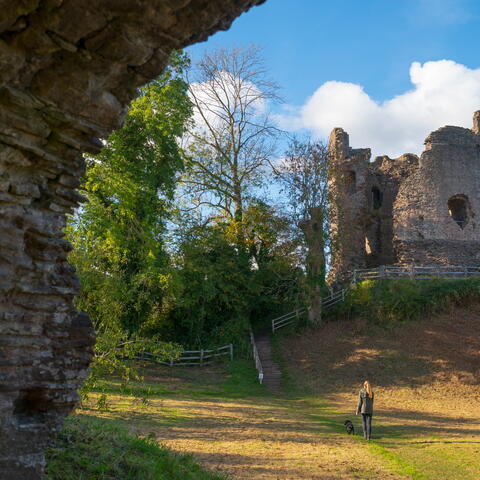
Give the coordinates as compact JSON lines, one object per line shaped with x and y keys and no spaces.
{"x":419,"y":344}
{"x":425,"y":373}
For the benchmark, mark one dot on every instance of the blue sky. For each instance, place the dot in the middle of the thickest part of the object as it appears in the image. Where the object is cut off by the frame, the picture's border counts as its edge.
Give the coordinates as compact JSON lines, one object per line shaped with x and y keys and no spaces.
{"x":367,"y":47}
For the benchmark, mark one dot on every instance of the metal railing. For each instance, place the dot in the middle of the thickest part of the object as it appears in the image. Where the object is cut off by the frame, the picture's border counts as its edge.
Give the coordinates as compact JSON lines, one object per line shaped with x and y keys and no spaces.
{"x":256,"y":357}
{"x":191,"y":357}
{"x":334,"y":298}
{"x":386,"y":271}
{"x":287,"y":319}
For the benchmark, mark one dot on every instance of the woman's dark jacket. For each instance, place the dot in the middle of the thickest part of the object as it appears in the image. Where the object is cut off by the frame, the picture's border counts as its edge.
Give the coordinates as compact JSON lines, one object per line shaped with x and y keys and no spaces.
{"x":365,"y":403}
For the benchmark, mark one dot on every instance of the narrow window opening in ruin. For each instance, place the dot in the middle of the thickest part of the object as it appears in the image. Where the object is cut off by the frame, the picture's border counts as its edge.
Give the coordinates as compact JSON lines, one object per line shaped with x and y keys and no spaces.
{"x":377,"y":198}
{"x":459,"y":209}
{"x":351,"y":181}
{"x":368,"y":248}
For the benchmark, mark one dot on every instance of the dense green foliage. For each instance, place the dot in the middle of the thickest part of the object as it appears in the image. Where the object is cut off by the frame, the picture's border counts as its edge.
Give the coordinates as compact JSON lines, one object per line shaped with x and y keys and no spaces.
{"x":213,"y":306}
{"x":119,"y":234}
{"x":90,"y":448}
{"x":390,"y":301}
{"x":158,"y":271}
{"x":226,"y":289}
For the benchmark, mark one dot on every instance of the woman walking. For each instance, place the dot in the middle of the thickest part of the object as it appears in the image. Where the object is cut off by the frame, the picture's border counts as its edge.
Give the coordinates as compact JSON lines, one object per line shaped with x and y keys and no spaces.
{"x":365,"y":407}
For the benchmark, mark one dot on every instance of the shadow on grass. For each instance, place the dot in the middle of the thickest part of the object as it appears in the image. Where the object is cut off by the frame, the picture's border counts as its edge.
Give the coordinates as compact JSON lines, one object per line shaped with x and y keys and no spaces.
{"x":93,"y":448}
{"x":195,"y":420}
{"x":428,"y":425}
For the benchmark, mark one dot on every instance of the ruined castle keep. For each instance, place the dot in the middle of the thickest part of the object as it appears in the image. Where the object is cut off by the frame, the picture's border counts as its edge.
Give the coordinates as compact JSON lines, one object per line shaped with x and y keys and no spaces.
{"x":421,"y":210}
{"x":69,"y":70}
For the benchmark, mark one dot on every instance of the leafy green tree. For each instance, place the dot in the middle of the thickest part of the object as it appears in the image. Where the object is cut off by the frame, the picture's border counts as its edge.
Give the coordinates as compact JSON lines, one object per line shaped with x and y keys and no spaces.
{"x":213,"y":306}
{"x":203,"y":283}
{"x":237,"y":263}
{"x":118,"y":236}
{"x":222,"y":294}
{"x":113,"y":351}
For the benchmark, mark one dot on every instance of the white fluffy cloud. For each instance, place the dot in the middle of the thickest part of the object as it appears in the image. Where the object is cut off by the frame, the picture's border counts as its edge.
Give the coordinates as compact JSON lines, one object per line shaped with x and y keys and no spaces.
{"x":224,"y":95}
{"x":444,"y":93}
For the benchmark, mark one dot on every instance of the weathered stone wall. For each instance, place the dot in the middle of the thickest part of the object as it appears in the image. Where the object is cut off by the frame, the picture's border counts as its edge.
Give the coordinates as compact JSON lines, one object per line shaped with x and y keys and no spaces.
{"x":68,"y":71}
{"x":406,"y":210}
{"x":386,"y":176}
{"x":348,"y":183}
{"x":424,"y":228}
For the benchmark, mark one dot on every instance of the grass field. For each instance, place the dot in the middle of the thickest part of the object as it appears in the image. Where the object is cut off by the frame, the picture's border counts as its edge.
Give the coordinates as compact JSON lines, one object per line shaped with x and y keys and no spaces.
{"x":236,"y":428}
{"x":426,"y":424}
{"x":426,"y":376}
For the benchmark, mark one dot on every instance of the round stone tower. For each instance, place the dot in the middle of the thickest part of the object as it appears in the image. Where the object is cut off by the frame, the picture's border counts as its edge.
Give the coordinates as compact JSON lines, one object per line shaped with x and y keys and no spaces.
{"x":407,"y":210}
{"x":437,"y":208}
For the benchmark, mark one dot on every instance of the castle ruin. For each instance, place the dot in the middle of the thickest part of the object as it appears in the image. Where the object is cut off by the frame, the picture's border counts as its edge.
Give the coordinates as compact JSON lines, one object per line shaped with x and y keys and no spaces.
{"x":408,"y":210}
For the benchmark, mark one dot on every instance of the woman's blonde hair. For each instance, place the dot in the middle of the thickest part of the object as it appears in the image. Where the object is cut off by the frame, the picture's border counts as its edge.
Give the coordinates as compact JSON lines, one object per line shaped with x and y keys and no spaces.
{"x":368,"y":388}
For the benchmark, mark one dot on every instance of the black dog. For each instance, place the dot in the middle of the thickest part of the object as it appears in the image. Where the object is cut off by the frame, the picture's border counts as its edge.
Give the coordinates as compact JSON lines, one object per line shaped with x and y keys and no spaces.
{"x":349,"y":426}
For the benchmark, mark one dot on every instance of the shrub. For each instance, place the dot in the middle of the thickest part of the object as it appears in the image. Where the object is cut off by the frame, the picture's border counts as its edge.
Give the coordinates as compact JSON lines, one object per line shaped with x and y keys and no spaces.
{"x":387,"y":301}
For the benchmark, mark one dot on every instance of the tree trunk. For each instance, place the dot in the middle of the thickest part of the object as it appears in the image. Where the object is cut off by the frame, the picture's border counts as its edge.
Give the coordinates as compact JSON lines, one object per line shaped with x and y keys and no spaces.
{"x":313,"y":231}
{"x":238,"y":206}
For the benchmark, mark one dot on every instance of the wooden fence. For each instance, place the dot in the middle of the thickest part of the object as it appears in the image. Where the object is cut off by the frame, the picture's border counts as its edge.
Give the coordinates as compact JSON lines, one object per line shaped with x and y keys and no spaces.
{"x":256,"y":357}
{"x":191,"y":357}
{"x":415,"y":272}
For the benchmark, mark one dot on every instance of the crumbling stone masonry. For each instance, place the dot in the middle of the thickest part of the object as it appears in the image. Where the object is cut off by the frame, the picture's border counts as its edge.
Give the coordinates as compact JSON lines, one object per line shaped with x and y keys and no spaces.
{"x":409,"y":209}
{"x":68,"y":70}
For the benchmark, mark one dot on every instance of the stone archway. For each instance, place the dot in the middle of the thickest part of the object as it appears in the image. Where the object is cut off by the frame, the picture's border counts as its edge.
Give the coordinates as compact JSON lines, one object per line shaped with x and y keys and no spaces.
{"x":68,"y":71}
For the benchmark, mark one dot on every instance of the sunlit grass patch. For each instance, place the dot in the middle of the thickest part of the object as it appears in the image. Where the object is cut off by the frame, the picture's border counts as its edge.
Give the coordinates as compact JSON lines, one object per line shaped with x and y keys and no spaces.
{"x":239,"y":428}
{"x":89,"y":448}
{"x":396,"y":462}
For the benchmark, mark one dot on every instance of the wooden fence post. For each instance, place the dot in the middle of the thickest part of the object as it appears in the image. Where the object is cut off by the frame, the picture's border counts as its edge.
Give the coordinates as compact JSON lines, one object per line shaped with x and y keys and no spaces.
{"x":381,"y":271}
{"x":231,"y":351}
{"x":171,"y":362}
{"x":412,"y":271}
{"x":201,"y":356}
{"x":354,"y":277}
{"x":465,"y":271}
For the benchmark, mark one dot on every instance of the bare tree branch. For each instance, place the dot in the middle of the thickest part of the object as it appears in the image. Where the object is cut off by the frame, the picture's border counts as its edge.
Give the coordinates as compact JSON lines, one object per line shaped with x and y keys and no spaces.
{"x":233,"y":138}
